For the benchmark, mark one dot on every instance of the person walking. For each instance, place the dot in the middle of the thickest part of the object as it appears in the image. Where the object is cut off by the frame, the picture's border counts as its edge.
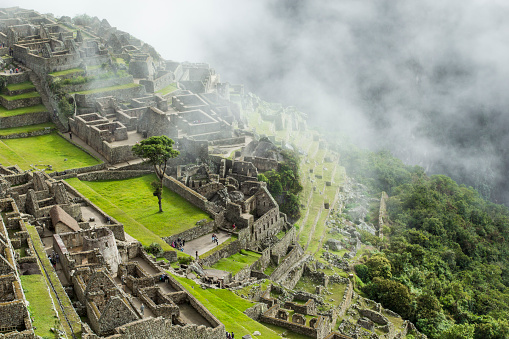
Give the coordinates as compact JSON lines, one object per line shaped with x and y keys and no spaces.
{"x":197,"y":257}
{"x":142,"y":309}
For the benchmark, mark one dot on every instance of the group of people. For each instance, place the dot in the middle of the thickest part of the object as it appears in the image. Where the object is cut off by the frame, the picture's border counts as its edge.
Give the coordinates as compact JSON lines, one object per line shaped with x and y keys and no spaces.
{"x":16,"y":70}
{"x":54,"y":258}
{"x":164,"y":277}
{"x":230,"y":335}
{"x":178,"y":244}
{"x":215,"y":239}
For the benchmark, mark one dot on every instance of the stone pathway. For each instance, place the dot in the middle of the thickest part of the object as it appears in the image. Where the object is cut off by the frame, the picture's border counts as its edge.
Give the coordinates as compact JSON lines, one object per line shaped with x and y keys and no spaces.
{"x":204,"y":243}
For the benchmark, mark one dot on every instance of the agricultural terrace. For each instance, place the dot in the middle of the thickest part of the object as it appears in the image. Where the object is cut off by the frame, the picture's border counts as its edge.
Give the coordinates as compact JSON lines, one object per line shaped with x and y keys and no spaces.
{"x":40,"y":151}
{"x":237,"y":262}
{"x":131,"y":202}
{"x":228,"y":308}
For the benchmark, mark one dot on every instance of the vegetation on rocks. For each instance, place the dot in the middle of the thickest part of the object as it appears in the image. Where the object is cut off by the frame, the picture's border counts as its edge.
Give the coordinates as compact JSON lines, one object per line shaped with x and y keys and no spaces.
{"x":447,"y":251}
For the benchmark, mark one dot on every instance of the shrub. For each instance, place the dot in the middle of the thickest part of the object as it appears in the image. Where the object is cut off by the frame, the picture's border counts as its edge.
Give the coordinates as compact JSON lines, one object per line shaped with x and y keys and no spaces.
{"x":155,"y":249}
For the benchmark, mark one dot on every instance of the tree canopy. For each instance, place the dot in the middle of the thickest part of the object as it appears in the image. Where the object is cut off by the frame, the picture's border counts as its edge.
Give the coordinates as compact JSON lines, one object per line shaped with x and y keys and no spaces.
{"x":157,"y":150}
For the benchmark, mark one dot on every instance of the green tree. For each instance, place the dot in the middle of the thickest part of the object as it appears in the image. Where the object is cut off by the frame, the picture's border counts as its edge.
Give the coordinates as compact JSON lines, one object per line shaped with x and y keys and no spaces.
{"x":379,"y":266}
{"x":157,"y":150}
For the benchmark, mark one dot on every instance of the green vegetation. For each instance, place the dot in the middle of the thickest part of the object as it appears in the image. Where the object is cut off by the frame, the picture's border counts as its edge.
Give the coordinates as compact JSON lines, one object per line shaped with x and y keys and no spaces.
{"x":67,"y":72}
{"x":237,"y":262}
{"x":228,"y":309}
{"x":41,"y":151}
{"x":168,"y":89}
{"x":130,"y":201}
{"x":64,"y":298}
{"x":21,"y":86}
{"x":284,"y":184}
{"x":20,"y":96}
{"x":26,"y":129}
{"x":105,"y":89}
{"x":157,"y":150}
{"x":24,"y":110}
{"x":41,"y":307}
{"x":225,"y":243}
{"x":445,"y":266}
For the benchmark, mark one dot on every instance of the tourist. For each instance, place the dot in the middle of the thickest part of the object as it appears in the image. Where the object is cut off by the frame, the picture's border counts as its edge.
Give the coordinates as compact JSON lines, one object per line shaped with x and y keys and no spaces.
{"x":233,"y":226}
{"x":70,"y":137}
{"x":197,"y":255}
{"x":57,"y":258}
{"x":233,"y":336}
{"x":142,"y":309}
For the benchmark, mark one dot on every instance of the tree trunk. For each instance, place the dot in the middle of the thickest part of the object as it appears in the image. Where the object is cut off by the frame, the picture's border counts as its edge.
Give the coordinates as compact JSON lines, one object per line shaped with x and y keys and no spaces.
{"x":160,"y":198}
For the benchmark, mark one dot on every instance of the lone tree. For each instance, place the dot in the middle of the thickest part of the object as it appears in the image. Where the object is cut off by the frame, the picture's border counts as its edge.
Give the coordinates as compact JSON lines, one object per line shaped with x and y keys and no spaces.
{"x":157,"y":150}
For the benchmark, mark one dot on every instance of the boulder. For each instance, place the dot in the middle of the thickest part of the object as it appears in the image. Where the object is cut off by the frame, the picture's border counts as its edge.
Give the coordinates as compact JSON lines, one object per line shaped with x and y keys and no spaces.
{"x":334,"y":244}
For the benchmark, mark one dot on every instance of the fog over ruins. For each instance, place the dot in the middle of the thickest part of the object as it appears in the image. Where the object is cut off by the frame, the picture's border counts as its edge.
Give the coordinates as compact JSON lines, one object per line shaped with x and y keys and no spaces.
{"x":260,"y":226}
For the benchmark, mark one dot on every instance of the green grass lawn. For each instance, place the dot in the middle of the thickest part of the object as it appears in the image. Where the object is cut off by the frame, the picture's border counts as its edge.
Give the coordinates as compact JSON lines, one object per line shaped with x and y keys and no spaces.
{"x":134,"y":228}
{"x":20,"y":86}
{"x":40,"y":308}
{"x":105,"y":89}
{"x":168,"y":89}
{"x":132,"y":200}
{"x":237,"y":261}
{"x":21,"y":96}
{"x":66,"y":72}
{"x":26,"y":129}
{"x":228,"y":309}
{"x":62,"y":295}
{"x":4,"y":112}
{"x":50,"y":149}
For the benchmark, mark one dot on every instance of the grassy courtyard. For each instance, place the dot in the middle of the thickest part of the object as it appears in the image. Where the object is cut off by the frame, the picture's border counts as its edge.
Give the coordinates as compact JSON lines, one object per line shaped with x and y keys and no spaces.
{"x":41,"y":151}
{"x":131,"y":202}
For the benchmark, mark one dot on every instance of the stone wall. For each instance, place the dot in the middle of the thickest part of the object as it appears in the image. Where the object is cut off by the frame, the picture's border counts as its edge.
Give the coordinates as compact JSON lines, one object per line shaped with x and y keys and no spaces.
{"x":159,"y":83}
{"x":280,"y":249}
{"x":382,"y":214}
{"x":40,"y":132}
{"x":320,"y":330}
{"x":192,"y":233}
{"x":229,"y":141}
{"x":113,"y":175}
{"x":99,"y":84}
{"x":185,"y":192}
{"x":20,"y":103}
{"x":254,"y":312}
{"x":160,"y":328}
{"x":225,"y":252}
{"x":263,"y":164}
{"x":287,"y":262}
{"x":24,"y":119}
{"x":347,"y":299}
{"x":88,"y":100}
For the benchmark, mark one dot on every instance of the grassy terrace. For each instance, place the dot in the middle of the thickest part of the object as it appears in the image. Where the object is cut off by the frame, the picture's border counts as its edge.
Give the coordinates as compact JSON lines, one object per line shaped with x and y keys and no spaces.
{"x":168,"y":89}
{"x":237,"y":262}
{"x":21,"y":96}
{"x":41,"y":308}
{"x":50,"y":149}
{"x":20,"y":86}
{"x":4,"y":112}
{"x":74,"y":319}
{"x":66,"y":72}
{"x":105,"y":89}
{"x":26,"y":129}
{"x":228,"y":309}
{"x":131,"y":202}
